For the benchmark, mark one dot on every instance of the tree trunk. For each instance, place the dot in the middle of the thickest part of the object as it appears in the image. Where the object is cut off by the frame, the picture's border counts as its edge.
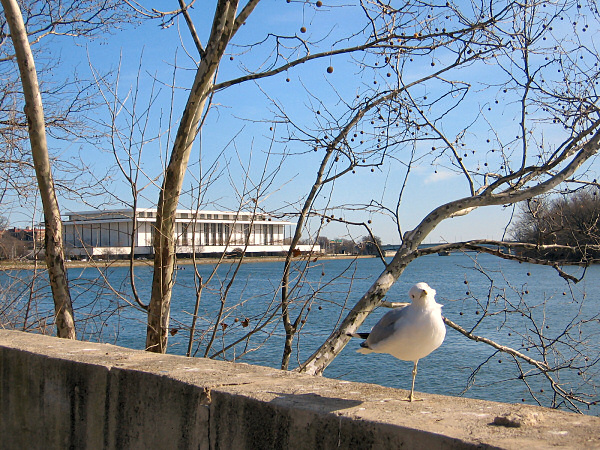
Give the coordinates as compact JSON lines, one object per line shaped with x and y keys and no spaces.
{"x":164,"y":244}
{"x":65,"y":325}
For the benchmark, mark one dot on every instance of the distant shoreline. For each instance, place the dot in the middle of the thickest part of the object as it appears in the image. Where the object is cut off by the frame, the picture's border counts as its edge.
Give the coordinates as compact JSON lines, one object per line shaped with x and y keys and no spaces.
{"x":30,"y":265}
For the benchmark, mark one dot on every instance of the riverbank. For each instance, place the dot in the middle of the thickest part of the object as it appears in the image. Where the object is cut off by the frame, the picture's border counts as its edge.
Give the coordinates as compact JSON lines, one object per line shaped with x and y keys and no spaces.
{"x":30,"y":265}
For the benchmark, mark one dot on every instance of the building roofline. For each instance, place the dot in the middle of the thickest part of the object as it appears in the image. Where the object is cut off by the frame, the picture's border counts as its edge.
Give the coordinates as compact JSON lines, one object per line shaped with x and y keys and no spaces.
{"x":127,"y":210}
{"x":79,"y":216}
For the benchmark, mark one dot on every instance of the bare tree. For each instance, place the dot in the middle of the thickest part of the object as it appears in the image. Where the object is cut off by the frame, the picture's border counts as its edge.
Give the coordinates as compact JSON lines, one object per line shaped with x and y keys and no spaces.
{"x":65,"y":324}
{"x":224,"y":26}
{"x":25,"y":125}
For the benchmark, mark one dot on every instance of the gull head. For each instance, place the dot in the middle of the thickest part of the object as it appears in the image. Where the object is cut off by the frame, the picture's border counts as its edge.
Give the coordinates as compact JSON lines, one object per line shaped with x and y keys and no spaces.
{"x":421,"y":292}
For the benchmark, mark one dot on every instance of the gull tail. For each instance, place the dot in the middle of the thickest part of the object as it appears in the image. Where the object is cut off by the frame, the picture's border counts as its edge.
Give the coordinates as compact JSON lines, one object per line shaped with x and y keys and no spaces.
{"x":359,"y":335}
{"x":364,"y":347}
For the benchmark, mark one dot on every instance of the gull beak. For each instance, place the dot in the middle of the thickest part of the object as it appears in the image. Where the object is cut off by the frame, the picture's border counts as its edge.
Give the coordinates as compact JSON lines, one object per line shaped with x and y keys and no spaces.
{"x":423,"y":293}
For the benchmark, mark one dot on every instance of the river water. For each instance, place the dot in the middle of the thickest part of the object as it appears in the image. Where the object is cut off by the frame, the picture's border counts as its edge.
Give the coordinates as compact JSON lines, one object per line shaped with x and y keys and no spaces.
{"x":523,"y":306}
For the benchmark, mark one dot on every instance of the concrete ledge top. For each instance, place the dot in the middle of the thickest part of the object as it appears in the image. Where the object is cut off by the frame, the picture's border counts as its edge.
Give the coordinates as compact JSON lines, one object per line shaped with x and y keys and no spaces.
{"x":470,"y":422}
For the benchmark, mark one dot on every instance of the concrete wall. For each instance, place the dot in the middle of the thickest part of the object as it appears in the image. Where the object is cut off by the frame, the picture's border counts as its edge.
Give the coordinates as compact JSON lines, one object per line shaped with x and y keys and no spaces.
{"x":57,"y":394}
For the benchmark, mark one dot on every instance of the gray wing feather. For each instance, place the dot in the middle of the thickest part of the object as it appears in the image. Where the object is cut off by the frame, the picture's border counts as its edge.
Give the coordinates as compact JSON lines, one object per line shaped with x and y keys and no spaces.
{"x":386,"y":326}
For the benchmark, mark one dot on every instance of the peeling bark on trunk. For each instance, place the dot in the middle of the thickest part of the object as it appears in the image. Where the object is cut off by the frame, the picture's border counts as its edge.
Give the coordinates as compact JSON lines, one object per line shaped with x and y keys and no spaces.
{"x":164,"y":244}
{"x":65,"y":325}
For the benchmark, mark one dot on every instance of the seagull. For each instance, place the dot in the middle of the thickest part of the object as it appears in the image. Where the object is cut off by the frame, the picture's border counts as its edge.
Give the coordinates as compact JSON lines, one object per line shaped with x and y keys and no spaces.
{"x":408,"y":333}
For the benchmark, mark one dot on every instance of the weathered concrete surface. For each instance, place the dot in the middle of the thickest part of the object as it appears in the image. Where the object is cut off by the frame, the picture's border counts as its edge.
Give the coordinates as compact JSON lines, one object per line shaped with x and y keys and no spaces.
{"x":70,"y":394}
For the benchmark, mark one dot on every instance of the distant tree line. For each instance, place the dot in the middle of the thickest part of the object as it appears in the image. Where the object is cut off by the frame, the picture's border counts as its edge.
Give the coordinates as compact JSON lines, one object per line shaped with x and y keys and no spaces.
{"x":365,"y":246}
{"x":563,"y":229}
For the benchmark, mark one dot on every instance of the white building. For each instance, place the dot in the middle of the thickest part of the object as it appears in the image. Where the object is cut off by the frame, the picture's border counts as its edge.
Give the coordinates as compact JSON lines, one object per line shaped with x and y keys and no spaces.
{"x":110,"y":233}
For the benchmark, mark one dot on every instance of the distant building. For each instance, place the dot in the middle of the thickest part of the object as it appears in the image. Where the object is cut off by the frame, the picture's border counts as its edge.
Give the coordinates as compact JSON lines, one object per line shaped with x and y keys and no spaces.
{"x":110,"y":233}
{"x":17,"y":243}
{"x":28,"y":234}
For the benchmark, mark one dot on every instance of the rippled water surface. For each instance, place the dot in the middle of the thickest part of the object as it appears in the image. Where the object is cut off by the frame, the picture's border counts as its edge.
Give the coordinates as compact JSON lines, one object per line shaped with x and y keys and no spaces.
{"x":466,"y":284}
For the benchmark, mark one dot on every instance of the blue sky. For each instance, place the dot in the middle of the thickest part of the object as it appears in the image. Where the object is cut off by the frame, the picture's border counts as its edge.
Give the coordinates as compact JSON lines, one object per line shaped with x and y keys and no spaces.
{"x":239,"y":125}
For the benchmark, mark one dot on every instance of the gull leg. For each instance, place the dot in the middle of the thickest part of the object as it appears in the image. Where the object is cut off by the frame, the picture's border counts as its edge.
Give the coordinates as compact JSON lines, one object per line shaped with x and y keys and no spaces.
{"x":411,"y":396}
